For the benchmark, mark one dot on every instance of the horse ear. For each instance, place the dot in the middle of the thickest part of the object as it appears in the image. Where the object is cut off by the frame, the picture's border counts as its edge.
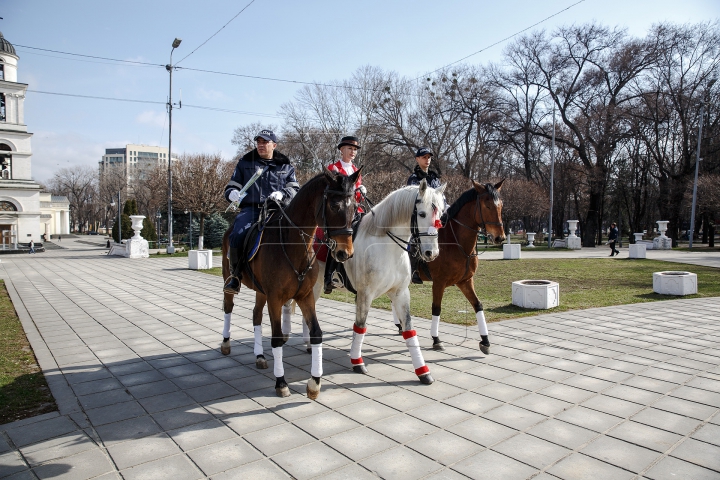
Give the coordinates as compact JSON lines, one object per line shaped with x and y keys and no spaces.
{"x":422,"y":188}
{"x":354,"y":176}
{"x":499,"y":185}
{"x":479,"y":187}
{"x":330,"y":175}
{"x":441,"y":189}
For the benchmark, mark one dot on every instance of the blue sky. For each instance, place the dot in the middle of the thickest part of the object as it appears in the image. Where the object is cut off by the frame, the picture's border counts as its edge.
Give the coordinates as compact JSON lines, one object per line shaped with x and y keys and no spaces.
{"x":298,"y":40}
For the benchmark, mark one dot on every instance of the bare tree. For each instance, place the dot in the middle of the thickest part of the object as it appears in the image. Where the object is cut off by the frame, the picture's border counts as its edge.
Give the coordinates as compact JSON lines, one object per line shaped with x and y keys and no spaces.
{"x":199,"y":182}
{"x":79,"y":185}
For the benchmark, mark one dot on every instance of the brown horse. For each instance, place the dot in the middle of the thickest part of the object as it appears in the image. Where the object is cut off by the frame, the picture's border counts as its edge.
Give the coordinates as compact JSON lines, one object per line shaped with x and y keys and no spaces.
{"x":282,"y":269}
{"x":479,"y":208}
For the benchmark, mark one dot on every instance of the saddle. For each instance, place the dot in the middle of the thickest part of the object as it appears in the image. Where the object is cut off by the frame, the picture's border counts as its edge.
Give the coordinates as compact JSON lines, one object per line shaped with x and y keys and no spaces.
{"x":253,"y":236}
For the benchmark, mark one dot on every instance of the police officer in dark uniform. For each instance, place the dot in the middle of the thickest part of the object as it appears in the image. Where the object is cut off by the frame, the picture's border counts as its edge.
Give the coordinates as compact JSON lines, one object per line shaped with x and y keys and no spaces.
{"x":277,"y":182}
{"x":422,"y":172}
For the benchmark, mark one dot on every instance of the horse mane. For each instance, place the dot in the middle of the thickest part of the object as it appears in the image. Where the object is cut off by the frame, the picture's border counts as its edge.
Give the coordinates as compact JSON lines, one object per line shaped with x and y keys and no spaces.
{"x":470,"y":196}
{"x":397,"y":205}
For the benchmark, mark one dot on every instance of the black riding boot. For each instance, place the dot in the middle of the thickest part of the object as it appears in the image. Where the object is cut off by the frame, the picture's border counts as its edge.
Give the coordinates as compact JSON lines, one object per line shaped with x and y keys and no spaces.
{"x":414,"y":265}
{"x":330,"y":266}
{"x":232,"y":284}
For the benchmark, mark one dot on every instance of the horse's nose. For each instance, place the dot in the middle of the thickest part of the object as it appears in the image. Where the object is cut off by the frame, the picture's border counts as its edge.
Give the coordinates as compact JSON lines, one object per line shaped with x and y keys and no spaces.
{"x":428,"y":253}
{"x":341,"y":256}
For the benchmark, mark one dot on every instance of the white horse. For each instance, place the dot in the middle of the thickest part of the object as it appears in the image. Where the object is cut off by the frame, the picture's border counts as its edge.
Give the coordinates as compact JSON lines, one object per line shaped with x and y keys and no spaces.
{"x":381,"y":265}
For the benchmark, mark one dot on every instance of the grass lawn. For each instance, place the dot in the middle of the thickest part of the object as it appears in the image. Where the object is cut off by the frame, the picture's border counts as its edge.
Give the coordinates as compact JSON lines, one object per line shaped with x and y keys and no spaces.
{"x":584,"y":283}
{"x":23,"y":390}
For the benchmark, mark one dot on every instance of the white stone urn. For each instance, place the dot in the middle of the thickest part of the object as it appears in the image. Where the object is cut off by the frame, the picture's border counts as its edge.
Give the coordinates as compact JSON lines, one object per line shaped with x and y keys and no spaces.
{"x":572,"y":226}
{"x":638,"y":237}
{"x":531,"y":239}
{"x":573,"y":241}
{"x":662,"y":242}
{"x":137,"y":224}
{"x":662,"y":226}
{"x":137,"y":247}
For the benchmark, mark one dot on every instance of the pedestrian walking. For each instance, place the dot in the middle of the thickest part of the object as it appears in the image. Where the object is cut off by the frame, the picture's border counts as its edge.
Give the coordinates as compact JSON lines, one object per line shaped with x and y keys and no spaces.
{"x":612,"y":239}
{"x":32,"y":246}
{"x":59,"y":237}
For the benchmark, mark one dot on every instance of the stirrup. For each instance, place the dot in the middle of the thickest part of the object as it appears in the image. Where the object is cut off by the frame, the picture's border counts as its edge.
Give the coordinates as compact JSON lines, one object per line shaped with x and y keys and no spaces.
{"x":229,"y":290}
{"x":416,"y":278}
{"x":337,"y":280}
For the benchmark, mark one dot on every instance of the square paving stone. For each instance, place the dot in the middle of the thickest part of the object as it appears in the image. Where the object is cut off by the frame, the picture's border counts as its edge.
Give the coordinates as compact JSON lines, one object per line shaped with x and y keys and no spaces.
{"x":42,"y":430}
{"x":139,"y":378}
{"x":180,"y":417}
{"x":64,"y":446}
{"x":699,"y":453}
{"x":670,"y":468}
{"x":562,"y":433}
{"x":590,"y":419}
{"x":214,"y":391}
{"x":262,"y":469}
{"x":11,"y":463}
{"x":400,"y":463}
{"x":310,"y":461}
{"x":482,"y":431}
{"x":251,"y":421}
{"x":226,"y":406}
{"x":465,"y":380}
{"x":404,"y":400}
{"x":166,"y":401}
{"x":685,"y":407}
{"x":439,"y":414}
{"x":281,"y":438}
{"x":581,"y":467}
{"x":621,"y":454}
{"x":541,"y":404}
{"x":294,"y":409}
{"x":224,"y":455}
{"x":444,"y":447}
{"x":196,"y":380}
{"x":88,"y":464}
{"x":709,"y":433}
{"x":127,"y":430}
{"x":650,"y":384}
{"x":350,"y":472}
{"x":447,"y":474}
{"x":146,"y":449}
{"x":103,"y":399}
{"x":612,"y":405}
{"x":500,"y":391}
{"x":178,"y":467}
{"x":666,"y":421}
{"x":531,"y":450}
{"x":152,"y":389}
{"x":360,"y":443}
{"x":472,"y":402}
{"x":566,"y":393}
{"x":402,"y":428}
{"x":514,"y":417}
{"x":493,"y":465}
{"x":114,"y":413}
{"x":632,"y":394}
{"x":548,"y":373}
{"x":334,"y":397}
{"x":645,"y":436}
{"x":201,"y":434}
{"x":96,"y":386}
{"x":697,"y":395}
{"x":325,"y":424}
{"x":526,"y":382}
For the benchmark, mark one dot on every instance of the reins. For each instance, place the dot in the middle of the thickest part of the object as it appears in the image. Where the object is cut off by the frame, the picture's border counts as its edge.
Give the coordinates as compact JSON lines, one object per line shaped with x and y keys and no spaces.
{"x":415,"y":234}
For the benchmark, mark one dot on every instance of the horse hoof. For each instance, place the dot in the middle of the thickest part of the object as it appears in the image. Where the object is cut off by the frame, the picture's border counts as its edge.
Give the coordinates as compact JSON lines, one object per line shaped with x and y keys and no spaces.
{"x":485,"y":349}
{"x":313,"y":389}
{"x":286,"y":337}
{"x":439,"y":347}
{"x":360,"y":369}
{"x":225,"y":348}
{"x":282,"y":391}
{"x":308,"y":348}
{"x":261,"y":363}
{"x":426,"y":379}
{"x":399,"y":330}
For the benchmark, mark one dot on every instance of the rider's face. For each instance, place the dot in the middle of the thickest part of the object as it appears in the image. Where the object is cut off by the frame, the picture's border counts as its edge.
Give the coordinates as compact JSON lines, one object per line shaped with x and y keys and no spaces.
{"x":348,"y":153}
{"x":265,"y":148}
{"x":424,"y":161}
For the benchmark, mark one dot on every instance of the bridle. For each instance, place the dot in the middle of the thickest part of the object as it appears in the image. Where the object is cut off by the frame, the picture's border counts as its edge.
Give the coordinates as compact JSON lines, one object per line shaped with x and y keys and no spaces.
{"x":328,"y":234}
{"x":482,"y":225}
{"x":412,"y":246}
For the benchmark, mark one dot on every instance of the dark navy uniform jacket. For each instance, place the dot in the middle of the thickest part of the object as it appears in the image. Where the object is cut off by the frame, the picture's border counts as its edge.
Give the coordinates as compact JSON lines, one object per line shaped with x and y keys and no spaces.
{"x":432,"y":177}
{"x":280,"y":176}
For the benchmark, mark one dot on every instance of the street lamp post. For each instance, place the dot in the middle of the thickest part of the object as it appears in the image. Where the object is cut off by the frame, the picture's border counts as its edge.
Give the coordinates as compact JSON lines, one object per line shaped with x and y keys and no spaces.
{"x":190,"y":228}
{"x":119,"y":218}
{"x":169,"y":67}
{"x":691,"y":233}
{"x":552,"y":176}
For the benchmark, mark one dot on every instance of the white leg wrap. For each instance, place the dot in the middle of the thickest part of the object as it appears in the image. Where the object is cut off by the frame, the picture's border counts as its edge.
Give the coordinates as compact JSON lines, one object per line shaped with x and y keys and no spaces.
{"x":435,"y":326}
{"x":286,"y":320}
{"x":316,"y":369}
{"x":226,"y":325}
{"x":306,"y":333}
{"x":278,"y":368}
{"x":356,"y":347}
{"x":413,"y":346}
{"x":482,"y":326}
{"x":257,"y":330}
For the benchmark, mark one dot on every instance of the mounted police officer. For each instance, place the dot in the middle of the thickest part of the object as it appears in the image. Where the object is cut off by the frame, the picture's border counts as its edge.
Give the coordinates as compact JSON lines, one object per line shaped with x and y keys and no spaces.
{"x":277,"y":182}
{"x":422,"y":171}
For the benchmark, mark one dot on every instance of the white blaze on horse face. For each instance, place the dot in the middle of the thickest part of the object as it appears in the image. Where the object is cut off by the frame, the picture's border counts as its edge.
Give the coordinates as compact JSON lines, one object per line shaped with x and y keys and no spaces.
{"x":430,"y":205}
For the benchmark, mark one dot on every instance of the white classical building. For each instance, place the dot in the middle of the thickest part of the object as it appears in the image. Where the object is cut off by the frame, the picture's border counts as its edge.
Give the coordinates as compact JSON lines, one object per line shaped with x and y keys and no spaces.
{"x":22,"y":216}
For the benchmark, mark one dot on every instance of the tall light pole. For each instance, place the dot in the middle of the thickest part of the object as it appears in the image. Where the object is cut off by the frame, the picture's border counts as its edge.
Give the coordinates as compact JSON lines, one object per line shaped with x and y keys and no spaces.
{"x":691,"y":233}
{"x":190,"y":229}
{"x":169,"y":67}
{"x":119,"y":218}
{"x":552,"y":175}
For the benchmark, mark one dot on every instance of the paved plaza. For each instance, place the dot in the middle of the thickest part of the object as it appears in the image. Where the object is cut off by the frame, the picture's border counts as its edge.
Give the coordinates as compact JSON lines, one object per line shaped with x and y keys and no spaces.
{"x":130,"y":349}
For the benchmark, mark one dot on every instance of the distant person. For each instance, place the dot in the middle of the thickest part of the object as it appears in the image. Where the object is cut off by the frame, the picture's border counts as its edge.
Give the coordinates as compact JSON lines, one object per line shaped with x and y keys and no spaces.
{"x":612,"y":239}
{"x":32,"y":246}
{"x":59,"y":238}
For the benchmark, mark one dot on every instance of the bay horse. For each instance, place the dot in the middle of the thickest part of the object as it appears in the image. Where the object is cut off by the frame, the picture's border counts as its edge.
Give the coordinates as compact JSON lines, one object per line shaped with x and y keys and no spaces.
{"x":283,"y":268}
{"x":381,"y":265}
{"x":479,"y":208}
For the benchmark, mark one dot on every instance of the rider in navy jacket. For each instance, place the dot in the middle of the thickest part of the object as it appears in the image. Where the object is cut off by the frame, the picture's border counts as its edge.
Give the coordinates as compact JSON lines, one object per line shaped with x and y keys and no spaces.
{"x":278,"y":181}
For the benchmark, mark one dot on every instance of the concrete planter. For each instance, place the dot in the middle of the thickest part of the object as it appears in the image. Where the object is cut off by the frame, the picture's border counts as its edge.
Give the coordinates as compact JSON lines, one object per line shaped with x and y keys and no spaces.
{"x":536,"y":294}
{"x":637,"y":251}
{"x":675,"y":283}
{"x":511,"y":251}
{"x":200,"y":259}
{"x":531,"y":239}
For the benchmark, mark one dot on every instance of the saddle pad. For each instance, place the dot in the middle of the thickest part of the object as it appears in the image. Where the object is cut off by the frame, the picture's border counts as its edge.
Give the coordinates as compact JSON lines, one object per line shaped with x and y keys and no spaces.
{"x":254,"y":244}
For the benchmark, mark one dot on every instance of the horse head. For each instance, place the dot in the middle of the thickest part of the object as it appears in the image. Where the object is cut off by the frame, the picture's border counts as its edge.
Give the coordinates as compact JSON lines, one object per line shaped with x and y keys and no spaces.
{"x":430,"y":205}
{"x":488,"y":213}
{"x":338,"y":210}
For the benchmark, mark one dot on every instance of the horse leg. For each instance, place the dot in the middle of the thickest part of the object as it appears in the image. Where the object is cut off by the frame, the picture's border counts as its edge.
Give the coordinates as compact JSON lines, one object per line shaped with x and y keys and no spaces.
{"x":307,"y":306}
{"x":277,"y":342}
{"x":467,"y":287}
{"x":228,"y":305}
{"x":396,"y":319}
{"x":317,"y":291}
{"x":438,"y":290}
{"x":260,"y":361}
{"x":362,"y":307}
{"x":401,"y":300}
{"x":287,"y":320}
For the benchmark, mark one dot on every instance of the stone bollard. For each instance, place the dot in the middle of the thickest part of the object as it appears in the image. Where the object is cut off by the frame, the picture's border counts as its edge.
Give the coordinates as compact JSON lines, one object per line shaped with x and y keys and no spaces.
{"x":536,"y":294}
{"x":638,"y":250}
